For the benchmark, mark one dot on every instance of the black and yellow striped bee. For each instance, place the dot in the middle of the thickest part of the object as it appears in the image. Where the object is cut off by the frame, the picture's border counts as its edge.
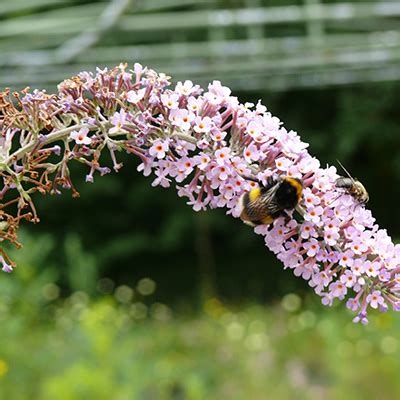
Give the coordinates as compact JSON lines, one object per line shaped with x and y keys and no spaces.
{"x":352,"y":186}
{"x":262,"y":205}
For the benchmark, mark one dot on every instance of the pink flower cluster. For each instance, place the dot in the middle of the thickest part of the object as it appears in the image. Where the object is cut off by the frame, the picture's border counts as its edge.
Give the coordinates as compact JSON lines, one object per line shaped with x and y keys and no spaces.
{"x":208,"y":143}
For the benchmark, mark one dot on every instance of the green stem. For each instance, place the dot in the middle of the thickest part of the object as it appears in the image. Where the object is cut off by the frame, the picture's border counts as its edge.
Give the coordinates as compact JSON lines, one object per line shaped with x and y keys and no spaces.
{"x":50,"y":138}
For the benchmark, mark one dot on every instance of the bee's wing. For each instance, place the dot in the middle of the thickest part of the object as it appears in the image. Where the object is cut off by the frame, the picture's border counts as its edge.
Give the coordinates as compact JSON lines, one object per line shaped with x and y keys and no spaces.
{"x":267,"y":201}
{"x":344,"y":182}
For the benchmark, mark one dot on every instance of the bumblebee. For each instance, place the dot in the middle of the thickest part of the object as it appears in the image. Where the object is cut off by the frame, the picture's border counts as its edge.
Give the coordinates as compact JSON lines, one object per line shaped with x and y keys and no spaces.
{"x":264,"y":204}
{"x":352,"y":186}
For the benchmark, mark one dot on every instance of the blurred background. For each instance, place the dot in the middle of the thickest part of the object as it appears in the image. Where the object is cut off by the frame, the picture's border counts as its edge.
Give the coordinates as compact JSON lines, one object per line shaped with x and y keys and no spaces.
{"x":126,"y":293}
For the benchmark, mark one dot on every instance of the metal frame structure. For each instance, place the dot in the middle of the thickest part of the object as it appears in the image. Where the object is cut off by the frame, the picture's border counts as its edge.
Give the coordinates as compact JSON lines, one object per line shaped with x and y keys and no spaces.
{"x":254,"y":47}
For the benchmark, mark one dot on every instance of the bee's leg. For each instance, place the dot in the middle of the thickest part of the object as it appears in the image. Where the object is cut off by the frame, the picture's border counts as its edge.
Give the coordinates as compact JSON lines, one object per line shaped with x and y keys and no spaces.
{"x":283,"y":214}
{"x":253,"y":179}
{"x":286,"y":216}
{"x":250,"y":223}
{"x":270,"y":181}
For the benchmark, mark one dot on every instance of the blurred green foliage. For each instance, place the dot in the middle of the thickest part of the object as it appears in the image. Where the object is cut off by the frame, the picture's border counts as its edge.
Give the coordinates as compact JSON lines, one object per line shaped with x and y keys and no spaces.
{"x":123,"y":345}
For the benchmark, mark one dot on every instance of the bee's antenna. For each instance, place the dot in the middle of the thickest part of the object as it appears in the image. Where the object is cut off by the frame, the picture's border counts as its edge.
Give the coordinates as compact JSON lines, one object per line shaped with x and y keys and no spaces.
{"x":345,"y":170}
{"x":251,"y":178}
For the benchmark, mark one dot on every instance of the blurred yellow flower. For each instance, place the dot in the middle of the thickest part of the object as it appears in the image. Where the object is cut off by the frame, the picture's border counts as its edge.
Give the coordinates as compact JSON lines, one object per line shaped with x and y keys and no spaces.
{"x":3,"y":368}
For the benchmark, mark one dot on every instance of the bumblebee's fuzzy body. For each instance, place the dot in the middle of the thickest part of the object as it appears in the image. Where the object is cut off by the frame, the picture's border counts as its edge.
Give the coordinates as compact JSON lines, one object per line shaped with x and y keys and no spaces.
{"x":264,"y":204}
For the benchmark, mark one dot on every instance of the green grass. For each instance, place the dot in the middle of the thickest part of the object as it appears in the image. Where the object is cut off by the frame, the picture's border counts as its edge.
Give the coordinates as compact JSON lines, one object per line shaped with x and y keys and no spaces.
{"x":120,"y":344}
{"x":123,"y":347}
